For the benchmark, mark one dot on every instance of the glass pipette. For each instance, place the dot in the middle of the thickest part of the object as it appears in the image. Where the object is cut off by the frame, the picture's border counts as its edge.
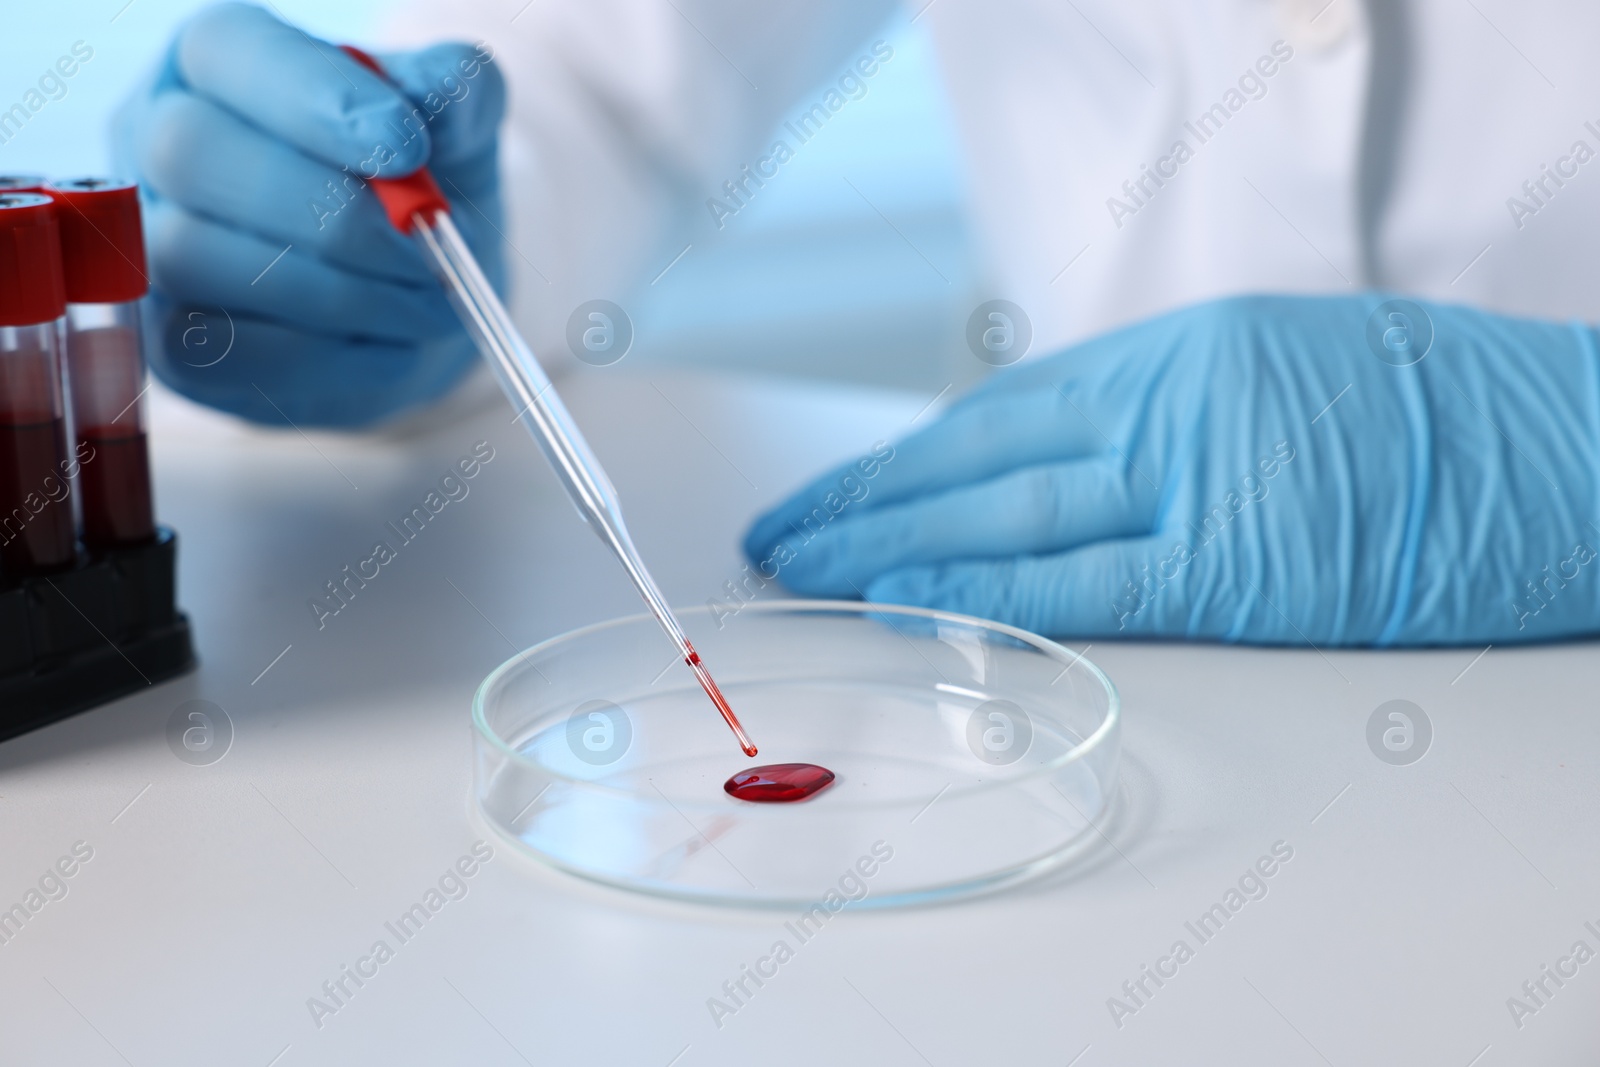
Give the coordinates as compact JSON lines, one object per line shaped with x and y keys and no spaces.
{"x":416,"y":206}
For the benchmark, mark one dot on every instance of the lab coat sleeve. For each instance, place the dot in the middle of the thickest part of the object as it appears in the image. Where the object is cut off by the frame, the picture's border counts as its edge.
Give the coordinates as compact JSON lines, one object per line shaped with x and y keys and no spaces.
{"x":625,"y":117}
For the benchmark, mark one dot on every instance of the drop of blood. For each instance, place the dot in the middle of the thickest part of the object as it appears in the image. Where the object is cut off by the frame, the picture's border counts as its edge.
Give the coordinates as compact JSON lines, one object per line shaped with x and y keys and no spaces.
{"x":778,"y":783}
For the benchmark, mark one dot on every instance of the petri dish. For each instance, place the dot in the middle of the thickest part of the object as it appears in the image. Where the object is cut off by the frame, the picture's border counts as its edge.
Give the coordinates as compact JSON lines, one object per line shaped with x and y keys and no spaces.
{"x":968,"y":755}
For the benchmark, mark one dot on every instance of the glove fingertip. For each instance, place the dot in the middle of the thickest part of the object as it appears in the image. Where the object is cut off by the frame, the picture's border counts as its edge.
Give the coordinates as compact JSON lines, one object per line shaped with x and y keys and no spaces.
{"x":763,"y":536}
{"x":387,"y":126}
{"x":910,"y":585}
{"x":458,"y":90}
{"x":812,"y":567}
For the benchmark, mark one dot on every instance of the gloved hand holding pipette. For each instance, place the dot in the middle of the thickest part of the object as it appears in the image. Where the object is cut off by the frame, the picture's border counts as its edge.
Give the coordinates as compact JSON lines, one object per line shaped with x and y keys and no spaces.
{"x":389,"y":107}
{"x":251,"y":144}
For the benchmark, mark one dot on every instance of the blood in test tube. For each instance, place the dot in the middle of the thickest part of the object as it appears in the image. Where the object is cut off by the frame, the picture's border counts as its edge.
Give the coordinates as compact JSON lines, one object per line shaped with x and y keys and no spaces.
{"x":778,"y":783}
{"x":35,"y":470}
{"x":102,"y":247}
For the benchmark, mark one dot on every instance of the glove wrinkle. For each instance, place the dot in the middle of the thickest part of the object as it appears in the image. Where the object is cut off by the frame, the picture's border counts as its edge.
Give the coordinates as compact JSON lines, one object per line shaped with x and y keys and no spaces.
{"x":1419,"y":429}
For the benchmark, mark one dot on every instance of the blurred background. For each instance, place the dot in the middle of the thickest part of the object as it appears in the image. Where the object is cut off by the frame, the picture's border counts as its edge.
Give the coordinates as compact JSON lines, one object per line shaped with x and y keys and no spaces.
{"x":812,"y":281}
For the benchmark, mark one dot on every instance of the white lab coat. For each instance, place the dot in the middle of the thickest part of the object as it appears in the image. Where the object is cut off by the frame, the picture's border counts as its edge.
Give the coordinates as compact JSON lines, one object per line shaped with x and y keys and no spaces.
{"x":1441,"y":147}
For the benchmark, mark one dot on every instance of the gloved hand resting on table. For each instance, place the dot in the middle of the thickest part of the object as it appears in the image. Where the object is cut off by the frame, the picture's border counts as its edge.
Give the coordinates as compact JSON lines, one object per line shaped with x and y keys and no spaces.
{"x":251,"y":140}
{"x":1245,"y":470}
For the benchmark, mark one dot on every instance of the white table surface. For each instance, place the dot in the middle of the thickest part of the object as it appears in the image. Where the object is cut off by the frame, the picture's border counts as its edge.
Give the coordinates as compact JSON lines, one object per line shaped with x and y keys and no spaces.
{"x":219,"y":898}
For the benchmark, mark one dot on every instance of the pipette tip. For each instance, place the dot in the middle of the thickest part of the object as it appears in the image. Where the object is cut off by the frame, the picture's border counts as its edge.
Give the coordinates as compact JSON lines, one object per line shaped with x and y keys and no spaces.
{"x":710,"y":686}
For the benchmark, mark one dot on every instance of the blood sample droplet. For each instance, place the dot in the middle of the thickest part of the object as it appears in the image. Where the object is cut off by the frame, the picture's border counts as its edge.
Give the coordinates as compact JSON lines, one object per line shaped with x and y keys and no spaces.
{"x":778,"y":783}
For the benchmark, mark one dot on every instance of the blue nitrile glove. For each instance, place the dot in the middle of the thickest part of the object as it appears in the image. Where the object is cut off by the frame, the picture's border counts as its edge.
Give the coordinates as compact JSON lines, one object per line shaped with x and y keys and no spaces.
{"x":252,"y":138}
{"x":1247,"y":470}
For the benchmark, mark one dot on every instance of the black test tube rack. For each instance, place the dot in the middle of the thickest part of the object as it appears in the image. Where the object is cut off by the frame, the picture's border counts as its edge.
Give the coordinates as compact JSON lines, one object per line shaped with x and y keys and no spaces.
{"x":77,"y":638}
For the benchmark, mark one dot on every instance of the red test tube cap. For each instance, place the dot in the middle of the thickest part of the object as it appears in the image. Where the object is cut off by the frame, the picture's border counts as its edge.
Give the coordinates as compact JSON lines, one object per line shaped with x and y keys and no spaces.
{"x":21,"y":183}
{"x":31,"y":288}
{"x":102,"y":240}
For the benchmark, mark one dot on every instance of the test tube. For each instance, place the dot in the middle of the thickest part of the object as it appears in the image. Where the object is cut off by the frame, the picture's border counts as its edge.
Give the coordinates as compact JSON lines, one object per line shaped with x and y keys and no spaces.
{"x":35,"y":513}
{"x":102,"y":251}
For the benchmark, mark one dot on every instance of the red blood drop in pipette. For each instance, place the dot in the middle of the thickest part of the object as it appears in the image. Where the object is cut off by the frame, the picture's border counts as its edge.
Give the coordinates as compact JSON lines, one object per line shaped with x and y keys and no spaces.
{"x":709,"y":684}
{"x":778,"y":783}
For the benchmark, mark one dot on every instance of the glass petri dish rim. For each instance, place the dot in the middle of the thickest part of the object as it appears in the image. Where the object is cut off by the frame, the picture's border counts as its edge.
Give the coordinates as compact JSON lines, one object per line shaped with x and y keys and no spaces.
{"x":1054,"y":649}
{"x":950,"y":890}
